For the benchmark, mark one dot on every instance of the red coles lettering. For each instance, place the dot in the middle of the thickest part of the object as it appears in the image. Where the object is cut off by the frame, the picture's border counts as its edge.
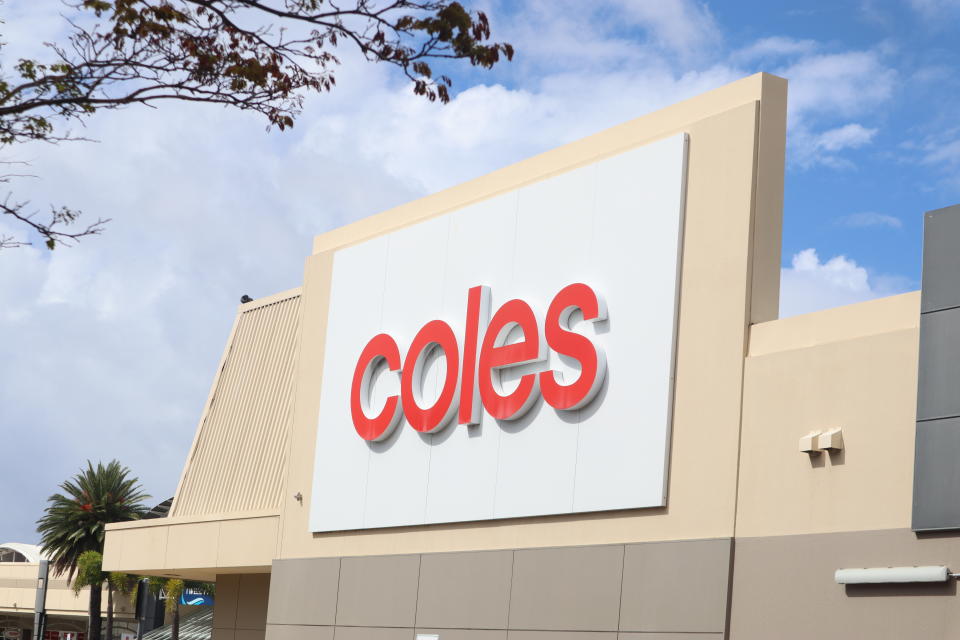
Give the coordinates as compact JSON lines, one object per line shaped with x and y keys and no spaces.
{"x":593,"y":362}
{"x":513,"y":338}
{"x":381,"y":347}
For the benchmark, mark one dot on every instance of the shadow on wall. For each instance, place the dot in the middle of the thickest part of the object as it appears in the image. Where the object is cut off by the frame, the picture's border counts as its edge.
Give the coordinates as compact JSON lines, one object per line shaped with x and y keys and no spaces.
{"x":948,"y":588}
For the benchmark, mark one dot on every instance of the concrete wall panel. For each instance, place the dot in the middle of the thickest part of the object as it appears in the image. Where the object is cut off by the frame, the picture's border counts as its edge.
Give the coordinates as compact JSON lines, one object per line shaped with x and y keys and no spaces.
{"x":941,"y":260}
{"x":676,"y":586}
{"x":467,"y":590}
{"x":298,"y":632}
{"x":670,"y":636}
{"x":378,"y":591}
{"x":783,"y":587}
{"x":567,"y":589}
{"x":937,"y":395}
{"x":936,"y":484}
{"x":252,"y":598}
{"x":304,"y":591}
{"x":561,"y":635}
{"x":936,"y":470}
{"x":225,"y":603}
{"x":373,"y":633}
{"x":465,"y":634}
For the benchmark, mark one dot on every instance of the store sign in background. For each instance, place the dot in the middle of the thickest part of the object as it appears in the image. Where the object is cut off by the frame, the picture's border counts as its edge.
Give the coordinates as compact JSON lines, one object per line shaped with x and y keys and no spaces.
{"x":614,"y":225}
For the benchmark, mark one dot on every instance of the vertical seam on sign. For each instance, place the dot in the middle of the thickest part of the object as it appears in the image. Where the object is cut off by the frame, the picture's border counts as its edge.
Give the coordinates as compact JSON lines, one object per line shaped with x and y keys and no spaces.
{"x":513,"y":267}
{"x":383,"y":293}
{"x":443,"y":295}
{"x":593,"y":235}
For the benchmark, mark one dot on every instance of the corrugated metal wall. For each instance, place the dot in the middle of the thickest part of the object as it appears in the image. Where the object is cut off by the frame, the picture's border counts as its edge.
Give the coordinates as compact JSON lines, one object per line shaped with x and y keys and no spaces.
{"x":239,"y":453}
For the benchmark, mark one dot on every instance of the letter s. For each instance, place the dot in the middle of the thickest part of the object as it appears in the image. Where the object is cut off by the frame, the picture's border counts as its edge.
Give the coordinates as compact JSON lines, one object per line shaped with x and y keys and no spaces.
{"x":593,"y":361}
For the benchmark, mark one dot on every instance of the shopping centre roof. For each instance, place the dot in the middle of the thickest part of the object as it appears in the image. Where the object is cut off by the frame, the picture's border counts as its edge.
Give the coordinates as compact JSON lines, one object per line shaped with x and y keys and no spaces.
{"x":20,"y":552}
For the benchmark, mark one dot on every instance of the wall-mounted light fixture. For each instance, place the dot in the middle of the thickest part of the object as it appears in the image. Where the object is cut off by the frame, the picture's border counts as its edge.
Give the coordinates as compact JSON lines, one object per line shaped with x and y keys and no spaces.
{"x":816,"y":442}
{"x":888,"y":575}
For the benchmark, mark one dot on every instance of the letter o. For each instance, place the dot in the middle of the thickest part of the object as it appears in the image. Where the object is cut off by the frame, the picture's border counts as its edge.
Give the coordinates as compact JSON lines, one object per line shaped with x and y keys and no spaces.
{"x":435,"y":417}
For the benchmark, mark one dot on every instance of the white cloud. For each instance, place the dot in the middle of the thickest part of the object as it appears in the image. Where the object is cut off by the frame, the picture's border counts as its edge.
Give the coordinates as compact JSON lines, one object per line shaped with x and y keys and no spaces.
{"x":870,"y":219}
{"x":934,"y":9}
{"x":811,"y":148}
{"x":828,"y":87}
{"x":840,"y":84}
{"x":811,"y":285}
{"x":773,"y":48}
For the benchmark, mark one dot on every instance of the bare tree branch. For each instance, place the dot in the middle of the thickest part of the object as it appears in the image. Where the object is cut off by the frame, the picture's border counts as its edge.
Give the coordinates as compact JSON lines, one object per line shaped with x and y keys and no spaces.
{"x":255,"y":55}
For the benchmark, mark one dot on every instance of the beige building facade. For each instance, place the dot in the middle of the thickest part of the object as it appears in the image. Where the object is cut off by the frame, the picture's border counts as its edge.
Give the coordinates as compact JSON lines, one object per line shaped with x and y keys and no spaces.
{"x":66,"y":611}
{"x":750,"y":530}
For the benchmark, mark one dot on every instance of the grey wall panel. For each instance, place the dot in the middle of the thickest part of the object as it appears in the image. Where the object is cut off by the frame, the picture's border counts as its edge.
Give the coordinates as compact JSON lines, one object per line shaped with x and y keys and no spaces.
{"x":936,"y":483}
{"x":465,"y":634}
{"x":465,"y":590}
{"x":783,"y":588}
{"x":941,"y":259}
{"x":671,"y":587}
{"x":561,"y":635}
{"x":373,"y":633}
{"x":936,"y":479}
{"x":304,"y":591}
{"x":670,"y":636}
{"x":298,"y":632}
{"x":938,"y":393}
{"x":378,"y":591}
{"x":567,"y":589}
{"x":225,"y":604}
{"x":254,"y":594}
{"x":676,"y":586}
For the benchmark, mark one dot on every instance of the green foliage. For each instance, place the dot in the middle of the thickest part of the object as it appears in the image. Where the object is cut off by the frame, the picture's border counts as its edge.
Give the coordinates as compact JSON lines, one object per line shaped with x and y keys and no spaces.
{"x":73,"y":521}
{"x":174,"y":589}
{"x":122,"y":582}
{"x":89,"y":571}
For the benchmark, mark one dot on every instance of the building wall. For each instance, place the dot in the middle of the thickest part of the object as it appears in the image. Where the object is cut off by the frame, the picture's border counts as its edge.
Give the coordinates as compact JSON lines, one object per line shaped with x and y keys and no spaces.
{"x":851,"y":367}
{"x":240,"y":606}
{"x":635,"y":590}
{"x":802,"y":517}
{"x":18,"y":593}
{"x":729,"y":278}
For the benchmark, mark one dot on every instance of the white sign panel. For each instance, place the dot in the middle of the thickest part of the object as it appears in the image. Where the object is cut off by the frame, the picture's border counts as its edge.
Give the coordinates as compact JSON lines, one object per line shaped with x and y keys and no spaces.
{"x":511,"y":358}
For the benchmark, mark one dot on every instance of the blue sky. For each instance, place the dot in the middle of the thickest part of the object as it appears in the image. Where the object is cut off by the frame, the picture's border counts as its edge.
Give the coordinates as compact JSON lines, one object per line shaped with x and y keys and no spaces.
{"x":108,"y":348}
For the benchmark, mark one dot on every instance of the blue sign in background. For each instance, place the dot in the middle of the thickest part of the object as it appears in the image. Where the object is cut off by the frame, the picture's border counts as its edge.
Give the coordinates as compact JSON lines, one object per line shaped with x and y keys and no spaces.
{"x":196,"y":599}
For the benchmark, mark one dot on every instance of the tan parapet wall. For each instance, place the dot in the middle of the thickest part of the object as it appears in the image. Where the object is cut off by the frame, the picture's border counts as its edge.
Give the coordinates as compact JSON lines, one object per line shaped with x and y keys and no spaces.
{"x":730,"y":278}
{"x":852,"y":367}
{"x":18,"y":592}
{"x":196,"y":548}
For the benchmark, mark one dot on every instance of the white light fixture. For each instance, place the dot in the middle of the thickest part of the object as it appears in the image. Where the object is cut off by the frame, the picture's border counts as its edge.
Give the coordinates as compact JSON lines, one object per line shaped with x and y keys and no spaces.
{"x":428,"y":636}
{"x":887,"y":575}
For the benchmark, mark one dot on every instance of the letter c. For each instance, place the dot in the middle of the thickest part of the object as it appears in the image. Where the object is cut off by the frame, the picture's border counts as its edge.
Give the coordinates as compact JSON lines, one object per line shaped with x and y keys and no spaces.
{"x":380,"y":347}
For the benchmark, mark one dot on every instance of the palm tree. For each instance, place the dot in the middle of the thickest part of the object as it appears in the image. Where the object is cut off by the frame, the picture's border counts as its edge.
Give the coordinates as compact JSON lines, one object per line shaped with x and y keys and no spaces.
{"x":73,"y":521}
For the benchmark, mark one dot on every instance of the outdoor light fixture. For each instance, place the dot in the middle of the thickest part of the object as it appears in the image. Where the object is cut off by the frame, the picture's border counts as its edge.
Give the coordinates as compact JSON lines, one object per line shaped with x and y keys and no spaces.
{"x":888,"y":575}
